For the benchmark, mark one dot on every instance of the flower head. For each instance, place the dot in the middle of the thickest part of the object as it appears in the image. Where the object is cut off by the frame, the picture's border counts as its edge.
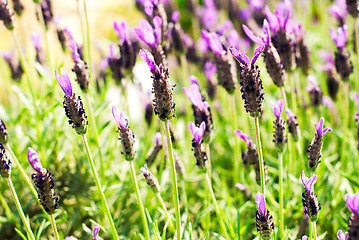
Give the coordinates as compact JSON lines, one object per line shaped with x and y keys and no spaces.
{"x":261,"y":204}
{"x":353,"y":204}
{"x":342,"y":236}
{"x":319,"y":126}
{"x":150,"y":36}
{"x":197,"y":132}
{"x":277,"y":108}
{"x":338,"y":9}
{"x":243,"y":58}
{"x":121,"y":119}
{"x":279,"y":19}
{"x":308,"y":182}
{"x":120,"y":29}
{"x":340,"y":36}
{"x":194,"y":95}
{"x":34,"y":160}
{"x":246,"y":138}
{"x":64,"y":81}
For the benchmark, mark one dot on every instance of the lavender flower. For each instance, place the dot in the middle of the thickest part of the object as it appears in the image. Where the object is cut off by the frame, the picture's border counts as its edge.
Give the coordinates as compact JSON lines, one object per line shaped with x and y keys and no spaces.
{"x":180,"y":169}
{"x":44,"y":183}
{"x":209,"y":70}
{"x":176,"y":33}
{"x":197,"y":147}
{"x":251,"y":84}
{"x":271,"y":57}
{"x":353,"y":205}
{"x":151,"y":180}
{"x":74,"y":109}
{"x":304,"y":238}
{"x":95,"y":232}
{"x":332,"y":76}
{"x":70,"y":238}
{"x":208,"y":14}
{"x":36,"y":40}
{"x":315,"y":93}
{"x":339,"y":10}
{"x":279,"y":126}
{"x":225,"y":66}
{"x":3,"y":133}
{"x":302,"y":56}
{"x":292,"y":123}
{"x":46,"y":10}
{"x":15,"y":68}
{"x":153,"y":152}
{"x":162,"y":88}
{"x":264,"y":220}
{"x":201,"y":110}
{"x":310,"y":202}
{"x":342,"y":61}
{"x":5,"y":163}
{"x":342,"y":236}
{"x":6,"y":15}
{"x":80,"y":68}
{"x":315,"y":147}
{"x":125,"y":134}
{"x":115,"y":64}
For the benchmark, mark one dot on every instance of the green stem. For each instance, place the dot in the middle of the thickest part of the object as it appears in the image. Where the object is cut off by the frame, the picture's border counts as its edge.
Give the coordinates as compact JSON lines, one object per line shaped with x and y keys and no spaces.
{"x":88,"y":43}
{"x":98,"y":184}
{"x":140,"y":205}
{"x":22,"y":171}
{"x":174,"y":180}
{"x":281,"y":216}
{"x":219,"y":215}
{"x":315,"y":230}
{"x":284,"y":97}
{"x":310,"y":230}
{"x":158,"y":195}
{"x":19,"y":209}
{"x":44,"y":31}
{"x":53,"y":224}
{"x":236,"y":170}
{"x":23,"y":63}
{"x":261,"y":162}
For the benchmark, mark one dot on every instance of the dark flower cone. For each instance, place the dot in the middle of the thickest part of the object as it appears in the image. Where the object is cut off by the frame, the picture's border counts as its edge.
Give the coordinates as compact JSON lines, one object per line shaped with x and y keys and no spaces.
{"x":226,"y":70}
{"x":149,"y":114}
{"x":47,"y":13}
{"x":284,"y":46}
{"x":293,"y":128}
{"x":45,"y":185}
{"x":264,"y":224}
{"x":332,"y":83}
{"x":280,"y":137}
{"x":6,"y":15}
{"x":251,"y":89}
{"x":302,"y":57}
{"x":127,"y":139}
{"x":5,"y":167}
{"x":62,"y":38}
{"x":316,"y":96}
{"x":82,"y":76}
{"x":343,"y":64}
{"x":313,"y":151}
{"x":152,"y":154}
{"x":3,"y":133}
{"x":311,"y":205}
{"x":352,"y":7}
{"x":353,"y":232}
{"x":151,"y":181}
{"x":250,"y":156}
{"x":274,"y":65}
{"x":206,"y":117}
{"x":76,"y":113}
{"x":18,"y":7}
{"x":40,"y":56}
{"x":200,"y":155}
{"x":258,"y":172}
{"x":177,"y":34}
{"x":180,"y":169}
{"x":211,"y":88}
{"x":116,"y":69}
{"x":129,"y":51}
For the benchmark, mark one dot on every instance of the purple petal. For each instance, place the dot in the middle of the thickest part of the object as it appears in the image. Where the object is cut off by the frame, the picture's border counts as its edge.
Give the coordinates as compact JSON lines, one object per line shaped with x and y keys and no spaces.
{"x":68,"y":33}
{"x":325,"y":130}
{"x":227,"y":25}
{"x":75,"y":51}
{"x":95,"y":233}
{"x":290,"y":114}
{"x":277,"y":108}
{"x":357,"y":99}
{"x":240,"y":56}
{"x":319,"y":127}
{"x":121,"y":120}
{"x":193,"y":80}
{"x":70,"y":238}
{"x":304,"y":238}
{"x":7,"y":55}
{"x":145,"y":33}
{"x":149,"y":8}
{"x":144,"y":170}
{"x":120,"y":29}
{"x":194,"y":95}
{"x":353,"y":204}
{"x":328,"y":102}
{"x":261,"y":204}
{"x":240,"y":186}
{"x":250,"y":34}
{"x":246,"y":138}
{"x":356,"y":116}
{"x":341,"y":235}
{"x":257,"y":53}
{"x":197,"y":132}
{"x":36,"y":39}
{"x":272,"y":19}
{"x":64,"y":81}
{"x":175,"y":16}
{"x":256,"y":4}
{"x":215,"y":43}
{"x":209,"y":69}
{"x":157,"y":22}
{"x":158,"y":138}
{"x":34,"y":160}
{"x":147,"y":56}
{"x":266,"y":37}
{"x":308,"y":182}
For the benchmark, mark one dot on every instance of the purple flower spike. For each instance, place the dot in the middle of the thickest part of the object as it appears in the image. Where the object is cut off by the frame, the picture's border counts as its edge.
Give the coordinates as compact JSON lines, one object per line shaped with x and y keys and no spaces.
{"x":120,"y":29}
{"x":148,"y":57}
{"x":277,"y":108}
{"x":75,"y":51}
{"x":121,"y":120}
{"x":290,"y":114}
{"x":246,"y":138}
{"x":342,"y":236}
{"x":194,"y":95}
{"x":145,"y":33}
{"x":340,"y":36}
{"x":34,"y":160}
{"x":36,"y":39}
{"x":319,"y":126}
{"x":64,"y":82}
{"x":197,"y":132}
{"x":95,"y":233}
{"x":353,"y":204}
{"x":357,"y":99}
{"x":261,"y":203}
{"x":308,"y":182}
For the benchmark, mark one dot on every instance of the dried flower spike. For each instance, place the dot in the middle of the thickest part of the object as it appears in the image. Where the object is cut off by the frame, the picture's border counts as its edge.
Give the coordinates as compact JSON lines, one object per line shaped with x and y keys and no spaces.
{"x":310,"y":202}
{"x":153,"y":152}
{"x":5,"y":168}
{"x":315,"y":93}
{"x":264,"y":220}
{"x":280,"y":137}
{"x":292,"y":123}
{"x":151,"y":180}
{"x":3,"y":133}
{"x":44,"y":183}
{"x":125,"y":134}
{"x":197,"y":147}
{"x":162,"y":88}
{"x":315,"y":147}
{"x":251,"y":84}
{"x":74,"y":109}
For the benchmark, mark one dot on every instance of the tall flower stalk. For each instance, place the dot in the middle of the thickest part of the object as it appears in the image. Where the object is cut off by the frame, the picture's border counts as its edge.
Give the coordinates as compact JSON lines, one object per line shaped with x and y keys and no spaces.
{"x":76,"y":113}
{"x":165,"y":110}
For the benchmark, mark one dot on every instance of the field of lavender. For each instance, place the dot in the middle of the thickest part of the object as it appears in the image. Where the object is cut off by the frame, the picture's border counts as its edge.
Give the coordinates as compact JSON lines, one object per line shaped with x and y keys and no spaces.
{"x":179,"y":119}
